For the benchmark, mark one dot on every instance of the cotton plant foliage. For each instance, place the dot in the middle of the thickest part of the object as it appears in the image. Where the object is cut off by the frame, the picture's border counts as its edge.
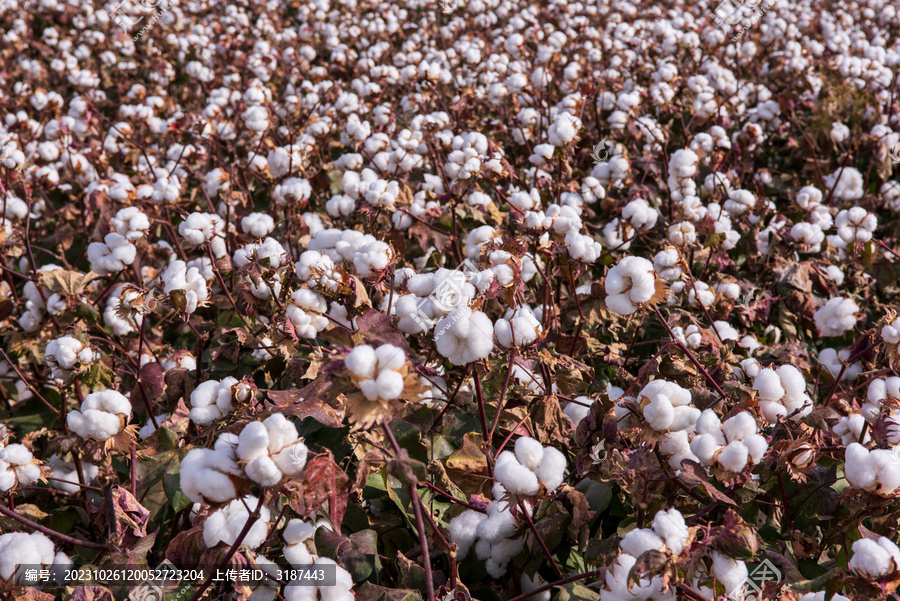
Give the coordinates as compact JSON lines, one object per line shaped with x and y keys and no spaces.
{"x":452,"y":300}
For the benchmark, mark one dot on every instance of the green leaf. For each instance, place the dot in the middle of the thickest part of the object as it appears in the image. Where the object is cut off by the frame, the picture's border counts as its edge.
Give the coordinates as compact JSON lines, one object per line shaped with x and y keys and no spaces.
{"x":575,"y":591}
{"x":172,"y":485}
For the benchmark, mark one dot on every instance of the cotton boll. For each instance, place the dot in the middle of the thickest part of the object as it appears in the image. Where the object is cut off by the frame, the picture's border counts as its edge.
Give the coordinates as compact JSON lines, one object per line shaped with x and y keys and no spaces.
{"x":640,"y":540}
{"x":306,"y":312}
{"x":730,"y":572}
{"x":768,"y":385}
{"x":529,"y":452}
{"x":672,"y":528}
{"x":518,"y":328}
{"x":226,"y":524}
{"x":130,"y":223}
{"x":836,"y":317}
{"x":628,"y":284}
{"x":463,"y":529}
{"x":553,"y":468}
{"x":874,"y":559}
{"x":35,"y":550}
{"x":891,"y":332}
{"x":734,"y":456}
{"x":190,"y":282}
{"x":464,"y":336}
{"x":857,"y":468}
{"x":112,"y":255}
{"x":102,"y":415}
{"x":855,"y":225}
{"x":209,"y":475}
{"x":582,"y":247}
{"x":576,"y":411}
{"x":211,"y":400}
{"x":515,"y":477}
{"x":258,"y":225}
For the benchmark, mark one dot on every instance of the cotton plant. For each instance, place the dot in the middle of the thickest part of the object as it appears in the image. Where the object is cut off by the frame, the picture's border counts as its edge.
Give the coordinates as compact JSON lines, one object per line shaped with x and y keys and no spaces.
{"x":882,"y":392}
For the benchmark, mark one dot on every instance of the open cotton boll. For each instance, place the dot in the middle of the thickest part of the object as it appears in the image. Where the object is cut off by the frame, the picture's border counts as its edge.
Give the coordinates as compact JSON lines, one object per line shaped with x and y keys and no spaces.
{"x":210,"y":475}
{"x":379,"y":373}
{"x":112,"y":255}
{"x":226,"y":524}
{"x":190,"y":282}
{"x":463,"y":530}
{"x":257,"y":225}
{"x":34,"y":550}
{"x":464,"y":336}
{"x":372,"y":259}
{"x":580,"y":410}
{"x":665,"y":263}
{"x":836,"y":317}
{"x":306,"y":312}
{"x":857,"y":467}
{"x":68,"y":355}
{"x":518,"y":328}
{"x":582,"y":247}
{"x":631,"y":282}
{"x":833,"y":361}
{"x":641,"y":540}
{"x":664,"y":406}
{"x":65,"y":474}
{"x":788,"y":382}
{"x":130,"y":223}
{"x":342,"y":590}
{"x":891,"y":332}
{"x":732,"y":573}
{"x":102,"y":415}
{"x":17,"y":466}
{"x":850,"y":427}
{"x":872,"y":559}
{"x":270,"y":450}
{"x":212,"y":400}
{"x":671,"y":527}
{"x":515,"y":477}
{"x":855,"y":225}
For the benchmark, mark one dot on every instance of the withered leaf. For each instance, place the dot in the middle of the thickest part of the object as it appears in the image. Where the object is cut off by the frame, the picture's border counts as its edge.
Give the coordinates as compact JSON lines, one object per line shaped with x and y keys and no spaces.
{"x":323,"y":481}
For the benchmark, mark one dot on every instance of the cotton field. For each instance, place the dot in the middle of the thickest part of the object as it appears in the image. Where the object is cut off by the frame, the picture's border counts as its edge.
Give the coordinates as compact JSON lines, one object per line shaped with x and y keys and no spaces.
{"x":449,"y":300}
